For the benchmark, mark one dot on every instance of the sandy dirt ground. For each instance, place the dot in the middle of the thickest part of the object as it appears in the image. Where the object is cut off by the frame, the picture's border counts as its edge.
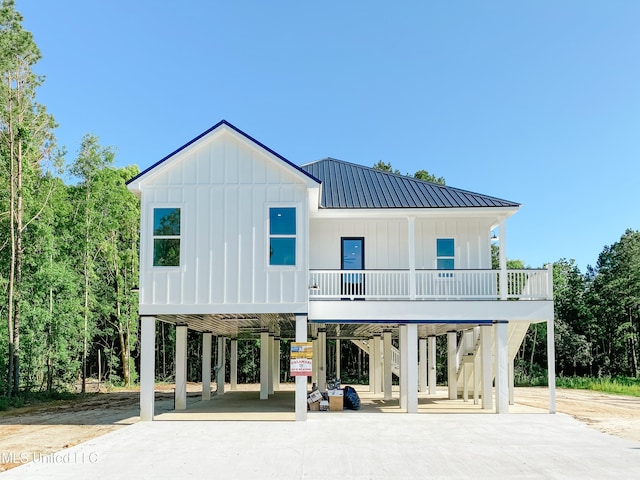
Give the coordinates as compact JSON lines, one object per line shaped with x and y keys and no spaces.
{"x":33,"y":432}
{"x":612,"y":414}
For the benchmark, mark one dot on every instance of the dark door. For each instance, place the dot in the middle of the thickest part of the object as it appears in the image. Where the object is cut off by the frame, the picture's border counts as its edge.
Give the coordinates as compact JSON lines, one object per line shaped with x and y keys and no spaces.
{"x":352,"y":259}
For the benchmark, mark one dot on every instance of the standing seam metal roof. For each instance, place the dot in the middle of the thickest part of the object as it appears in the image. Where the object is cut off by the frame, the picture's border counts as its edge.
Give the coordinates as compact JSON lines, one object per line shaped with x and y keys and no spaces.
{"x":347,"y":185}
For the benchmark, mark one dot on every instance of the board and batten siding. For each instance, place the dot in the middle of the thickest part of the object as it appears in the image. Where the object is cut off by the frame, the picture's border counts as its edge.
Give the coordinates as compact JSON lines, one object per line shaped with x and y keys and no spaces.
{"x":386,"y":242}
{"x":224,"y":189}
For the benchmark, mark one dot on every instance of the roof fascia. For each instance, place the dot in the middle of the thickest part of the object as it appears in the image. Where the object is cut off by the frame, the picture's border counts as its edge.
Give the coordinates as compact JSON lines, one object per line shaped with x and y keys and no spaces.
{"x":500,"y":212}
{"x":135,"y":183}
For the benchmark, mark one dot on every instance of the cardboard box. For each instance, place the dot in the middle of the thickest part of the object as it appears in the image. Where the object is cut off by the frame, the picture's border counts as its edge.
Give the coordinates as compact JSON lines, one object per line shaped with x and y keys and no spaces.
{"x":314,"y":406}
{"x":336,"y":403}
{"x":336,"y":393}
{"x":324,"y":405}
{"x":314,"y":396}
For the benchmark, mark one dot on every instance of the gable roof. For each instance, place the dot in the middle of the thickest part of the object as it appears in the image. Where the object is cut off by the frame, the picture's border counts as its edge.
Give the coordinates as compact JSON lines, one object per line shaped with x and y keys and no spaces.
{"x":222,"y":124}
{"x":347,"y":185}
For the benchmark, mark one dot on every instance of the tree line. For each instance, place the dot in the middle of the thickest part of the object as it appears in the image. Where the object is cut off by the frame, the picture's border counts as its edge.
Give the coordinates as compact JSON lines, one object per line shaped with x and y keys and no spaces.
{"x":69,"y":250}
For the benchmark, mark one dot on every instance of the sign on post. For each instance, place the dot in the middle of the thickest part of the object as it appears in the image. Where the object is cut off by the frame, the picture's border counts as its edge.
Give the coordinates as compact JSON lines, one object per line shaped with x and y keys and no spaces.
{"x":301,"y":359}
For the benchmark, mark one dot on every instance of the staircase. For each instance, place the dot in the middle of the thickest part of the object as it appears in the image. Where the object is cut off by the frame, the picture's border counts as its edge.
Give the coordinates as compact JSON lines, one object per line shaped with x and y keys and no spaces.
{"x":469,"y":349}
{"x":395,"y":355}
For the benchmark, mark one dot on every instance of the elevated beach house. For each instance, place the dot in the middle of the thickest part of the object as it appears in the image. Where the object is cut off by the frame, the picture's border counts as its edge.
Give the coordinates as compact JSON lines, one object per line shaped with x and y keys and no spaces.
{"x":238,"y":241}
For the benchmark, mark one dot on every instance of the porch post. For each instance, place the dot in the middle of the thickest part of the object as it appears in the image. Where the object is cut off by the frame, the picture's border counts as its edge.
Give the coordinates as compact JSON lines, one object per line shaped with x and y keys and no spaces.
{"x":322,"y":366}
{"x":206,"y":366}
{"x":264,"y":365}
{"x":512,"y":381}
{"x":377,"y":365}
{"x":422,"y":371}
{"x":338,"y":351}
{"x":315,"y":360}
{"x":432,"y":365}
{"x":502,"y":252}
{"x":412,"y":368}
{"x":301,"y":382}
{"x":412,"y":257}
{"x":502,"y":367}
{"x":452,"y":368}
{"x":147,"y":367}
{"x":372,"y":366}
{"x":404,"y":370}
{"x":234,"y":364}
{"x":271,"y":349}
{"x":487,"y":367}
{"x":276,"y":363}
{"x":388,"y":379}
{"x":551,"y":366}
{"x":181,"y":367}
{"x":222,"y":360}
{"x":476,"y":379}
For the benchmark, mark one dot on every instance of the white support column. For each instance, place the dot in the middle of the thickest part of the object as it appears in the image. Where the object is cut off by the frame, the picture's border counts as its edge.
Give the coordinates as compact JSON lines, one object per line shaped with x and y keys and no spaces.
{"x":181,"y":368}
{"x":315,"y":361}
{"x":147,"y":367}
{"x":276,"y":364}
{"x":322,"y":366}
{"x":377,"y":364}
{"x":511,"y":381}
{"x":404,"y":367}
{"x":338,"y":353}
{"x":271,"y":376}
{"x":412,"y":257}
{"x":452,"y":380}
{"x":301,"y":382}
{"x":476,"y":379}
{"x":264,"y":365}
{"x":432,"y":367}
{"x":388,"y":379}
{"x":487,"y":367}
{"x":222,"y":361}
{"x":234,"y":365}
{"x":551,"y":366}
{"x":502,"y":367}
{"x":372,"y":367}
{"x":206,"y":366}
{"x":412,"y":368}
{"x":502,"y":255}
{"x":422,"y":370}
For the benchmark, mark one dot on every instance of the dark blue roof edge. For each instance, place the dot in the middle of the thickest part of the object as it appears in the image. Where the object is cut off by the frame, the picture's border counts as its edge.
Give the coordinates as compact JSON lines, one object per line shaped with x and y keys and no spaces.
{"x":437,"y":185}
{"x":236,"y":129}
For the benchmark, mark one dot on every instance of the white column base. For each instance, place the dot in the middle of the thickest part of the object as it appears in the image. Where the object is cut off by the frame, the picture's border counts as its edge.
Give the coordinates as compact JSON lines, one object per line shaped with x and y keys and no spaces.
{"x":147,"y":367}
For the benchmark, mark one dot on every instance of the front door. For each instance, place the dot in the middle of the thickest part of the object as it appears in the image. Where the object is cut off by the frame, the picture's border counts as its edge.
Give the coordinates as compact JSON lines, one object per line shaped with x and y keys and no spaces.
{"x":352,"y":259}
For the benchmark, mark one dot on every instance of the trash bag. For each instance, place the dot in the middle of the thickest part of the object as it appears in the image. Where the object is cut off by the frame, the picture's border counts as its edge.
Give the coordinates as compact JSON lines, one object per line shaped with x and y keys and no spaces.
{"x":351,"y":398}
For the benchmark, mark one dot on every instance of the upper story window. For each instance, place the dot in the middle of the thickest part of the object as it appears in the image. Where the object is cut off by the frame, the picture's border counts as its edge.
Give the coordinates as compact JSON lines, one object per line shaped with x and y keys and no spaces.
{"x":282,"y":236}
{"x":166,"y":237}
{"x":445,"y":254}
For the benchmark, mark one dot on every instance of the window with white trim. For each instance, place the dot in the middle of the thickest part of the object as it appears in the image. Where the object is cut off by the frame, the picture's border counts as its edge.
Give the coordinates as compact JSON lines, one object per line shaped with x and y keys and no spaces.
{"x":445,"y":255}
{"x":166,"y":237}
{"x":282,"y":236}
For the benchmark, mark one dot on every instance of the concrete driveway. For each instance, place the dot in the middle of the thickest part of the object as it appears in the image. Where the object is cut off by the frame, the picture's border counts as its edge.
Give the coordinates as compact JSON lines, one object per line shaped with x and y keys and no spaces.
{"x":349,"y":445}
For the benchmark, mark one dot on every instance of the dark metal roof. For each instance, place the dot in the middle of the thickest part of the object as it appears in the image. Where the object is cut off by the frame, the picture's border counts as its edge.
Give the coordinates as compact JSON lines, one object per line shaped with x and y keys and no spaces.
{"x":233,"y":127}
{"x":347,"y":185}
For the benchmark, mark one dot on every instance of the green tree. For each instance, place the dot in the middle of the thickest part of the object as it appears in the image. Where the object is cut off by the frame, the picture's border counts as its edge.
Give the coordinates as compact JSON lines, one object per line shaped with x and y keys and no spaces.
{"x":613,"y":297}
{"x":88,"y":197}
{"x":26,"y":141}
{"x":420,"y":174}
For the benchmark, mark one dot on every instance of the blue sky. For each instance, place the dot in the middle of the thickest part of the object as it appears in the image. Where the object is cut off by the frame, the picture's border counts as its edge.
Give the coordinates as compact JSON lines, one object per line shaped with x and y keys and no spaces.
{"x":532,"y":101}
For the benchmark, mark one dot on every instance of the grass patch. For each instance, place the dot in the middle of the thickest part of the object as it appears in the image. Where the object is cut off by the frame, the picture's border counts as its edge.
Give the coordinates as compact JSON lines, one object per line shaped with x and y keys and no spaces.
{"x":24,"y":399}
{"x":614,"y":385}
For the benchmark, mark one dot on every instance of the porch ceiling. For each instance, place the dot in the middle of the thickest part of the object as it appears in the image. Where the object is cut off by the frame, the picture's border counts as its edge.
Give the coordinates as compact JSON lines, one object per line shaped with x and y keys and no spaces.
{"x":283,"y":325}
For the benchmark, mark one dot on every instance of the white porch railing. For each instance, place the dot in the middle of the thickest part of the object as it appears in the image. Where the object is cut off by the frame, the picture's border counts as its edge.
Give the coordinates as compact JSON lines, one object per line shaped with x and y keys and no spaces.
{"x":428,"y":284}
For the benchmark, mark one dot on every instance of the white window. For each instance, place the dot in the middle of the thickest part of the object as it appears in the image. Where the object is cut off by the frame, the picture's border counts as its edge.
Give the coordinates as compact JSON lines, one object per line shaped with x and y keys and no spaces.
{"x":282,"y":236}
{"x":166,"y":237}
{"x":445,"y":256}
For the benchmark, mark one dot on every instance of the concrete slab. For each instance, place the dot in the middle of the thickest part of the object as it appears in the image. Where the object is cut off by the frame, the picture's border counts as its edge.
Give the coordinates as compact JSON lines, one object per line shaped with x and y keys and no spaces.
{"x":354,"y":445}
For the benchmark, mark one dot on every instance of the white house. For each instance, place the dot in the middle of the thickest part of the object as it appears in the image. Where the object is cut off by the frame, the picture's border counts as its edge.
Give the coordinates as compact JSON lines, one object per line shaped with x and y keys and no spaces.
{"x":236,"y":240}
